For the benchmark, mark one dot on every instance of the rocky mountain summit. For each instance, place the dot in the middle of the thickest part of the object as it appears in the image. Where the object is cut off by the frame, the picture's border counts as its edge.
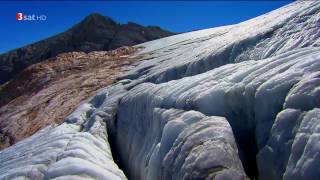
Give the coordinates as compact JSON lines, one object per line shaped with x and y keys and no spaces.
{"x":233,"y":102}
{"x":94,"y":33}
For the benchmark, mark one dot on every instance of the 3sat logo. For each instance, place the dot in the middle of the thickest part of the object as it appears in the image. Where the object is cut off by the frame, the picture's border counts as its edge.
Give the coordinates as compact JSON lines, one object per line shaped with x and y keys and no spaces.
{"x":19,"y":16}
{"x":30,"y":17}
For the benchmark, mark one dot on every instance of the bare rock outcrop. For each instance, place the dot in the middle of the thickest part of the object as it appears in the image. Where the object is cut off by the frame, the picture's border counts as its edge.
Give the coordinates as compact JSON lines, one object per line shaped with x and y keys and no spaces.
{"x":47,"y":92}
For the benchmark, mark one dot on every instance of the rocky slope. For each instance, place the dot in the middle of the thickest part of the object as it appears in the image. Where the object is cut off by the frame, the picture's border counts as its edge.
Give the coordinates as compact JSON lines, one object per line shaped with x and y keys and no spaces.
{"x":47,"y":92}
{"x":94,"y":33}
{"x":233,"y":102}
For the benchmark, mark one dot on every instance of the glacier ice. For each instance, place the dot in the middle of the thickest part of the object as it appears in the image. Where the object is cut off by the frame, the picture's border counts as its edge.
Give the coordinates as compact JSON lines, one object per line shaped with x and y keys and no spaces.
{"x":248,"y":94}
{"x":175,"y":144}
{"x":233,"y":102}
{"x":73,"y":150}
{"x":291,"y":27}
{"x":60,"y":152}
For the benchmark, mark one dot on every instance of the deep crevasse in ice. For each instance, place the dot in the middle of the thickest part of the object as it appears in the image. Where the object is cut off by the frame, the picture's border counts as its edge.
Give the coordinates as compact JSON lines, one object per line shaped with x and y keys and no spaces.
{"x":223,"y":103}
{"x":248,"y":94}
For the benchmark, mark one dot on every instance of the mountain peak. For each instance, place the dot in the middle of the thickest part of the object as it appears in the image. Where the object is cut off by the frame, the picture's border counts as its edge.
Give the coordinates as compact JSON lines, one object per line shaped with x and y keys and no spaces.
{"x":96,"y":20}
{"x":95,"y":15}
{"x":94,"y":33}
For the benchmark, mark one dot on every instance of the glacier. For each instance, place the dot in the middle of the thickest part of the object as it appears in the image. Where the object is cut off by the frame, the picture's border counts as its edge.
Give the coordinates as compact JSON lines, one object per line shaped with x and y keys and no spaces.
{"x":234,"y":102}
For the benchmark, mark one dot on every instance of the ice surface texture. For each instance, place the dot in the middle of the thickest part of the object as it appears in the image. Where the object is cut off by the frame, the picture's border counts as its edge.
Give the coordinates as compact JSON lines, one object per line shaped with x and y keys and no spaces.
{"x":233,"y":102}
{"x":76,"y":149}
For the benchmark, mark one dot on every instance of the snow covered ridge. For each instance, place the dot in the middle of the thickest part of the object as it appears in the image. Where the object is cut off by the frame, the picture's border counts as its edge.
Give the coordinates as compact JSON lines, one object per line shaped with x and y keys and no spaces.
{"x":288,"y":28}
{"x":234,"y":102}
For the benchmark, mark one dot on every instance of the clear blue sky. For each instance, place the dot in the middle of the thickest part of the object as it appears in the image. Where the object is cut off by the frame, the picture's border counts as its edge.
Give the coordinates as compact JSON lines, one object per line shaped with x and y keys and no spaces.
{"x":175,"y":16}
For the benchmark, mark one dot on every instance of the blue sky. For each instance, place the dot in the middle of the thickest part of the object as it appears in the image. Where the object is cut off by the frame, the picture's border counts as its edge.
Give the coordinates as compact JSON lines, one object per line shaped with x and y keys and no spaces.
{"x":176,"y":16}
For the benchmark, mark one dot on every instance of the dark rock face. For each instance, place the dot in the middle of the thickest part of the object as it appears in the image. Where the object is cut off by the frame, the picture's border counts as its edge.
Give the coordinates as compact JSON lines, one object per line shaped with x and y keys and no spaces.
{"x":94,"y":33}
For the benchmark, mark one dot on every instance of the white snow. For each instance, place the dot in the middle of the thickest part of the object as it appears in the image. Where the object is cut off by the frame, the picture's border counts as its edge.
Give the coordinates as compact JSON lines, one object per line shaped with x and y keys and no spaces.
{"x":205,"y":104}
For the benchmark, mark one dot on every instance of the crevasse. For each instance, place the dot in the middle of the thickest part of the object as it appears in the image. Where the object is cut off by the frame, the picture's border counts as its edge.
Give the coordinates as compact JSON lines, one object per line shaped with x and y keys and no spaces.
{"x":233,"y":102}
